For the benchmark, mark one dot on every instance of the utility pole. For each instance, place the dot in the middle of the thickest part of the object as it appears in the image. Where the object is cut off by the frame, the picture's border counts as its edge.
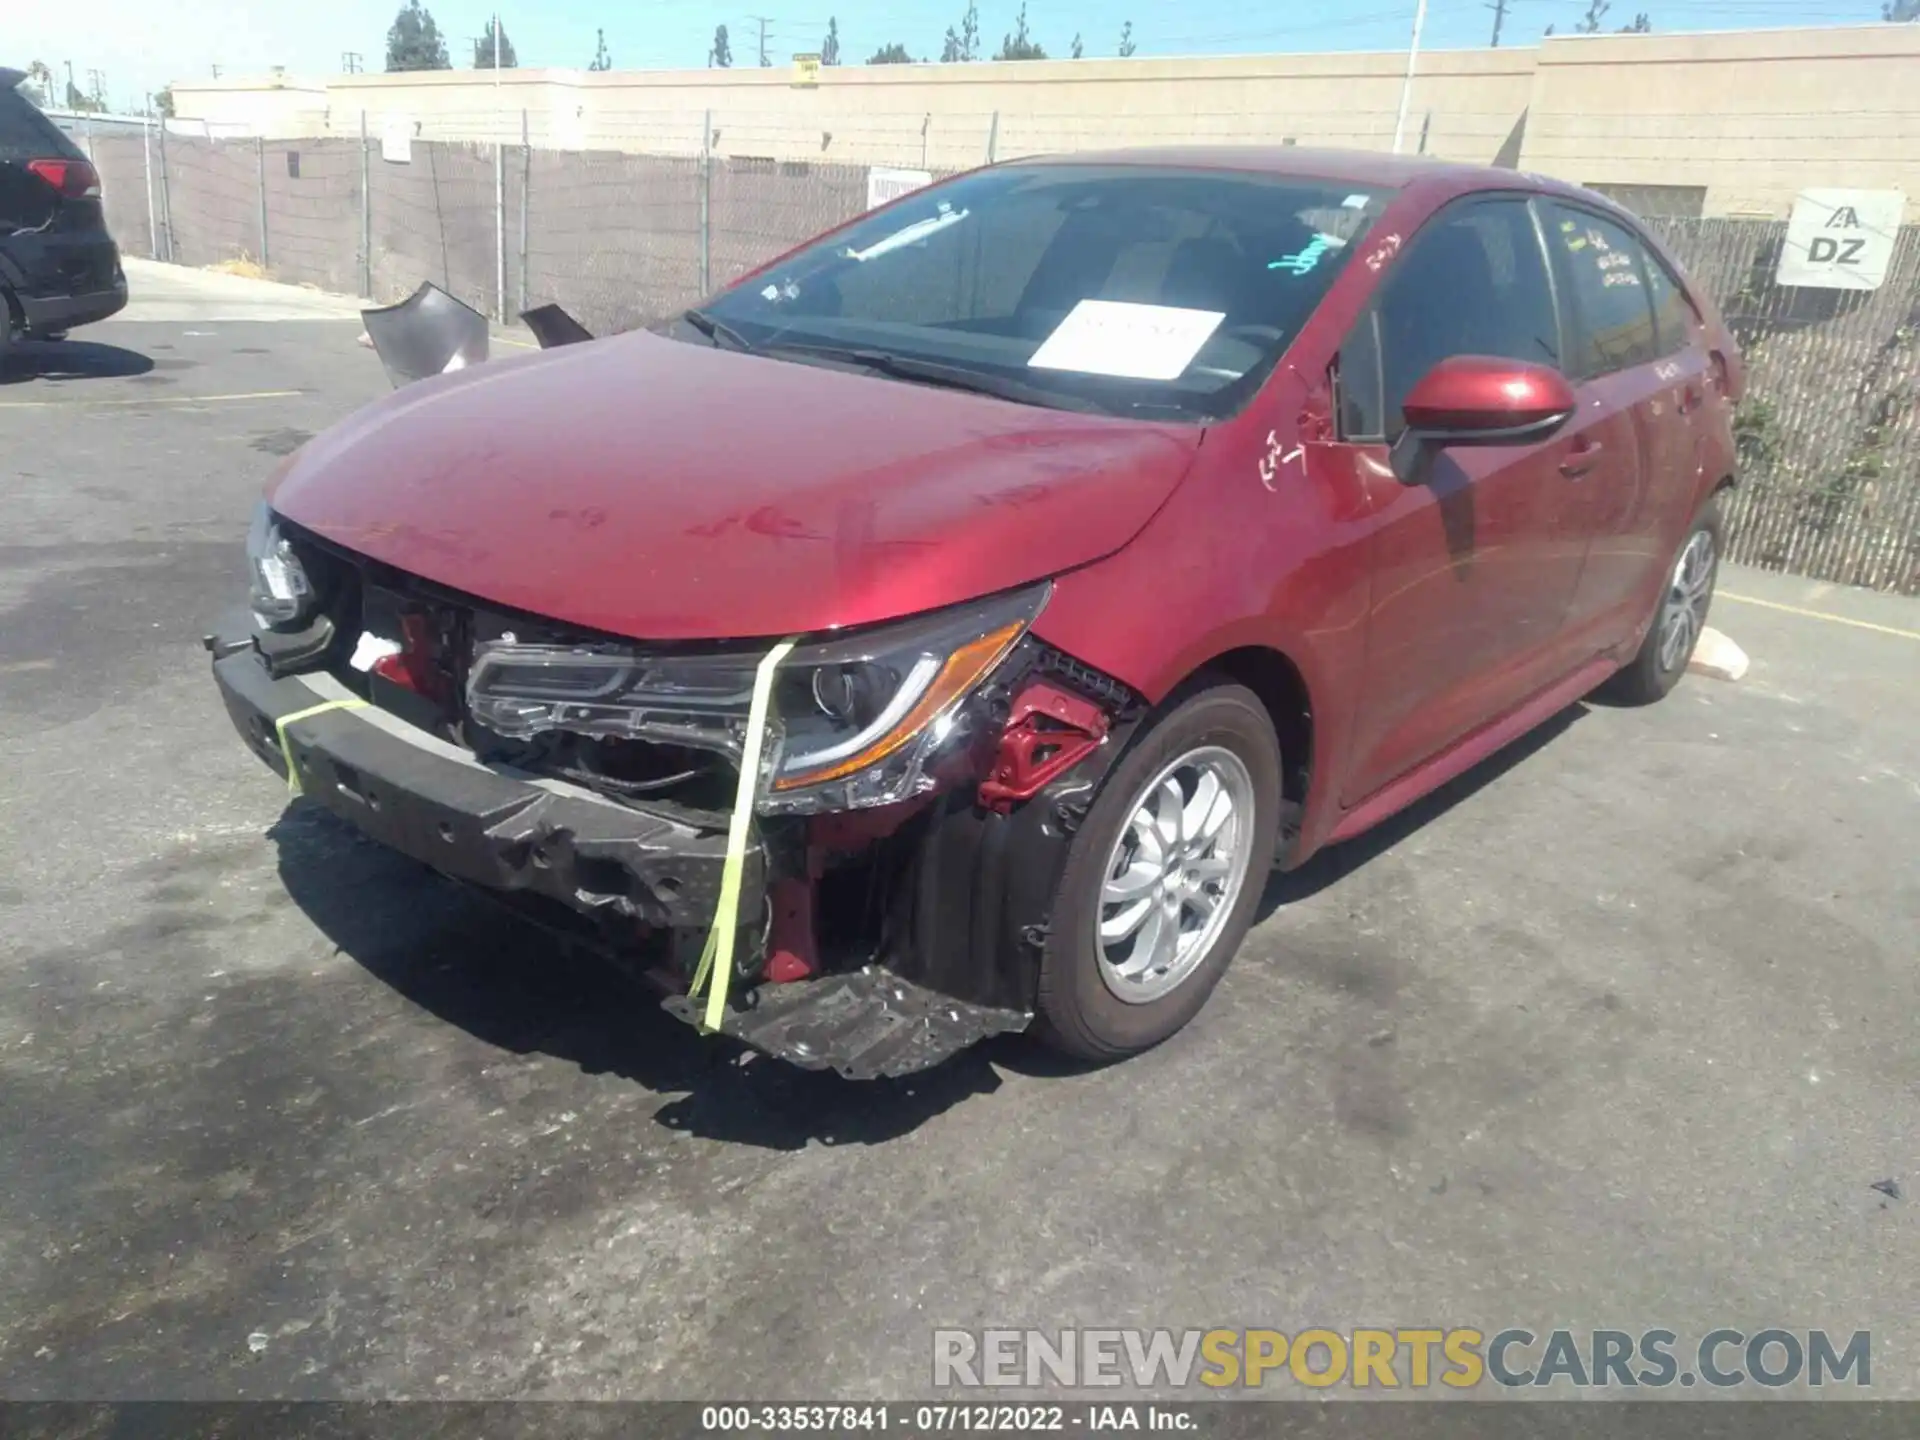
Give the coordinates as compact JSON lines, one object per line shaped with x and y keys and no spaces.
{"x":350,"y":62}
{"x":66,"y":102}
{"x":1499,"y":9}
{"x":98,"y":81}
{"x":762,"y":21}
{"x":1406,"y":85}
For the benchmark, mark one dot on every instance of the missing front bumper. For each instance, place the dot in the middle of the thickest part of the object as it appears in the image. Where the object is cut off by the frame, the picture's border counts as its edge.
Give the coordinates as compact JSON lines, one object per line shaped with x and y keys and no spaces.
{"x":490,"y":826}
{"x":964,"y":895}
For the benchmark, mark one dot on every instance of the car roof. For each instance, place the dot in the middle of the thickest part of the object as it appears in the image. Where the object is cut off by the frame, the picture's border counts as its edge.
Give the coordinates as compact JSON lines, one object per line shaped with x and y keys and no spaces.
{"x":1362,"y":167}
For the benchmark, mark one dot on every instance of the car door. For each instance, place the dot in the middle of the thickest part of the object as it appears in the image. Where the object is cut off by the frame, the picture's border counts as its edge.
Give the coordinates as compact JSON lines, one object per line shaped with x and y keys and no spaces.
{"x":1640,"y":387}
{"x":1472,"y":570}
{"x":1672,"y":447}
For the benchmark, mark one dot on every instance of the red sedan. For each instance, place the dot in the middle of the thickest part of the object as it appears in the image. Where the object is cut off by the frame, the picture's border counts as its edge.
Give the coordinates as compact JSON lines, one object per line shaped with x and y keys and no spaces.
{"x":946,"y":628}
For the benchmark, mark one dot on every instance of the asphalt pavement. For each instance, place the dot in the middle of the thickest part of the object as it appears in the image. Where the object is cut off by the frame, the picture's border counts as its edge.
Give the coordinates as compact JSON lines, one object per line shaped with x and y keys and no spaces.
{"x":1616,"y":1031}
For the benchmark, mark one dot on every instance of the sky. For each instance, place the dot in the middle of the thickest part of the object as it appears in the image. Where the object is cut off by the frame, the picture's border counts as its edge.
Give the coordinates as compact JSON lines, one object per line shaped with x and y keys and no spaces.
{"x":140,"y":45}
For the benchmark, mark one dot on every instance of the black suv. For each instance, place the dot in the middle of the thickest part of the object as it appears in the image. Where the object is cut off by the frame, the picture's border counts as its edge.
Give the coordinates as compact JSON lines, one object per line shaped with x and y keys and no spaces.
{"x":58,"y":266}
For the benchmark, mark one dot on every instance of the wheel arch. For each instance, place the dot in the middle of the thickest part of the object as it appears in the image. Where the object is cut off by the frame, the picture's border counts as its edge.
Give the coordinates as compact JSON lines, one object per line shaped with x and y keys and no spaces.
{"x":1277,"y":680}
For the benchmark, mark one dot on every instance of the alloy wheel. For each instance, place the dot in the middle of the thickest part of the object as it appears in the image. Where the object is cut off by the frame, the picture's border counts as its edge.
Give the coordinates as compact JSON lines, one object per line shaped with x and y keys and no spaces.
{"x":1684,"y":614}
{"x":1175,"y":873}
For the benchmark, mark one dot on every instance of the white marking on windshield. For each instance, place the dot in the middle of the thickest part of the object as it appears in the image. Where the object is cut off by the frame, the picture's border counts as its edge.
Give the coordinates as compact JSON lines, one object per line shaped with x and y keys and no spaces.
{"x":919,"y":230}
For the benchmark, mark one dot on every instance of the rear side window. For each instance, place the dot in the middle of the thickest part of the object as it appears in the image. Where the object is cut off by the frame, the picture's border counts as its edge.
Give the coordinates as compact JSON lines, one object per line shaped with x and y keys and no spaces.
{"x":1672,"y":313}
{"x":1606,"y":274}
{"x":26,"y":134}
{"x":1472,"y":283}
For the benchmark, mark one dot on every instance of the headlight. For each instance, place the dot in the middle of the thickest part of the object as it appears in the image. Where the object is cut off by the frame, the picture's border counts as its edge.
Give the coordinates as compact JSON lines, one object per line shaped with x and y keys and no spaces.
{"x":857,"y":717}
{"x":278,"y":588}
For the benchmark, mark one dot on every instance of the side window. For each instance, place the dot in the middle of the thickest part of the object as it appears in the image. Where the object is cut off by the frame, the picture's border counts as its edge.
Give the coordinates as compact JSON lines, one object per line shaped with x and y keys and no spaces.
{"x":1358,"y":373}
{"x":1472,"y":283}
{"x":1672,"y":312}
{"x":1605,"y":270}
{"x":26,"y":134}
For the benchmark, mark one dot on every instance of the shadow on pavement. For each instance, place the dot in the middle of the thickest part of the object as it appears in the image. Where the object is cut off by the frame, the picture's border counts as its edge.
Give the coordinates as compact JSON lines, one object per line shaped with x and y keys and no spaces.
{"x":70,"y":360}
{"x":512,"y":985}
{"x":1338,"y":861}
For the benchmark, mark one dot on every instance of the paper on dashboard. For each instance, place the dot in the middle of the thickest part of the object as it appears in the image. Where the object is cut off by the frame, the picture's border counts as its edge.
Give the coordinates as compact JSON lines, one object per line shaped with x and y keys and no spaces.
{"x":1132,"y":341}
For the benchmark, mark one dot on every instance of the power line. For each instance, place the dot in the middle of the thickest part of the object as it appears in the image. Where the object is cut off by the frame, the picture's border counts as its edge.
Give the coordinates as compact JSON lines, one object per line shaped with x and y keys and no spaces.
{"x":1345,"y":22}
{"x":762,"y":21}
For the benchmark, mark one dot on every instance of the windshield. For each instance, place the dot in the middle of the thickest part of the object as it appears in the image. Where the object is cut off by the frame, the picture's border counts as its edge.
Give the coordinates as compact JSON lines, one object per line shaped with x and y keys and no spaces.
{"x":1127,"y":290}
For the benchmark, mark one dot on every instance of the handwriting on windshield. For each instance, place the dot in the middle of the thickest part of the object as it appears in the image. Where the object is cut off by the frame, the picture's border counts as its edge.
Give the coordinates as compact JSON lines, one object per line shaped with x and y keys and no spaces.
{"x":1308,"y":256}
{"x":919,"y":230}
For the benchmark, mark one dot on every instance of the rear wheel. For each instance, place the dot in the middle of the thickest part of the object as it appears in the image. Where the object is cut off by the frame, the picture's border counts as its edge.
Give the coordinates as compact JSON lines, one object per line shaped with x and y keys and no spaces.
{"x":1162,"y":879}
{"x":11,"y":330}
{"x":1682,"y":615}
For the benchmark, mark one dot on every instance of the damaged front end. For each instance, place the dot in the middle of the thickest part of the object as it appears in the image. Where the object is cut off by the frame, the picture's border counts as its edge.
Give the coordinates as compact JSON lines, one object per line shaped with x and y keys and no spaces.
{"x":910,"y":814}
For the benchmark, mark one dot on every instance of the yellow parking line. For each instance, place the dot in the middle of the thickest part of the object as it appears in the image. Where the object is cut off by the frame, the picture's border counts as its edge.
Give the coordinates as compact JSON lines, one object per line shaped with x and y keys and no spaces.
{"x":1820,"y":615}
{"x":152,"y":400}
{"x":517,"y":344}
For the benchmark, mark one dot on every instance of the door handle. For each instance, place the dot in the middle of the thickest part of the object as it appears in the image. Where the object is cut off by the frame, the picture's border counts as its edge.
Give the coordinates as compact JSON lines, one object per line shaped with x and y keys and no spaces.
{"x":1580,"y":458}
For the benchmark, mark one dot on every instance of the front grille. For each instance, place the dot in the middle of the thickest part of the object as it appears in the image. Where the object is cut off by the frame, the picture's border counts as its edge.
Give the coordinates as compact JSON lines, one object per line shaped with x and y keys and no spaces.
{"x":427,"y":686}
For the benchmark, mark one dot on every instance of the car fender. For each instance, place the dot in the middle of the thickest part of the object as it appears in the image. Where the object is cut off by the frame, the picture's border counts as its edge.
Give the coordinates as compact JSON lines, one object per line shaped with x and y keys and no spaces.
{"x":1235,"y":561}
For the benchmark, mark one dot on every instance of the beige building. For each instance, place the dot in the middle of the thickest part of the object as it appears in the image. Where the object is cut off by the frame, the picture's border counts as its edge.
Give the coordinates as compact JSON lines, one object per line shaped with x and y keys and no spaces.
{"x":1728,"y":123}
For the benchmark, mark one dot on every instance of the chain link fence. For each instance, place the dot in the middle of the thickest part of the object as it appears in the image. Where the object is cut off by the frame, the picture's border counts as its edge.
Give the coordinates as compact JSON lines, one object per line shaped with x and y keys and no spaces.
{"x":1829,"y":430}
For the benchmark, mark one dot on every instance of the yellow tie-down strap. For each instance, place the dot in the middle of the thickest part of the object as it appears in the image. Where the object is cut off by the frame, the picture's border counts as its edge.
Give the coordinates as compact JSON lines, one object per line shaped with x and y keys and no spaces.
{"x":280,"y":731}
{"x":717,"y":958}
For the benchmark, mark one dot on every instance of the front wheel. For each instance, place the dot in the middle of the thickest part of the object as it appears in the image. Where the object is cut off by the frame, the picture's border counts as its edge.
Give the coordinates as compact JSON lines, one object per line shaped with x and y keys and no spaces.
{"x":1684,"y":602}
{"x":1162,"y":879}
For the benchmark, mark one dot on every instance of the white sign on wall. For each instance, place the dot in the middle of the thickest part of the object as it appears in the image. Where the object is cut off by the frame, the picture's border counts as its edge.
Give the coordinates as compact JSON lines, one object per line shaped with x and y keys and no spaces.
{"x":1840,"y":239}
{"x":884,"y":185}
{"x":396,"y":139}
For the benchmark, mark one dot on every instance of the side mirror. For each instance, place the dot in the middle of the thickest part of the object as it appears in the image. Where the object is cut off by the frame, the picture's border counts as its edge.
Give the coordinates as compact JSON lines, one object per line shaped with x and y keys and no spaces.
{"x":1480,"y":400}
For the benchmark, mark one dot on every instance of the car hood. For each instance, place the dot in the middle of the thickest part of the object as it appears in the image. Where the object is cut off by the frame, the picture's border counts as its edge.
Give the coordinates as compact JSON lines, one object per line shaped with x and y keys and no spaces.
{"x":663,"y":490}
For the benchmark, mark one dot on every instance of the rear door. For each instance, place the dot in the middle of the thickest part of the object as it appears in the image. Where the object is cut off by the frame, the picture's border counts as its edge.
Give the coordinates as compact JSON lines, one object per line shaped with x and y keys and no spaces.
{"x":1672,"y":450}
{"x":1473,"y":570}
{"x":1639,"y":379}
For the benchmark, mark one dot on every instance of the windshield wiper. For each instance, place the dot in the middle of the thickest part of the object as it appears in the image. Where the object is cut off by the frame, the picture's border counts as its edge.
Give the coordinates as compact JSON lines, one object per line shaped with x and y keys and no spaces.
{"x":947,"y":377}
{"x":718,"y":331}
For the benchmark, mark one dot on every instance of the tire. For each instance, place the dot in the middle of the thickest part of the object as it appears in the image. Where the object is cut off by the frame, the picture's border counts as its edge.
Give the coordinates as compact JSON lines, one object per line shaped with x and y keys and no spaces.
{"x":1218,"y":729}
{"x":1684,"y":602}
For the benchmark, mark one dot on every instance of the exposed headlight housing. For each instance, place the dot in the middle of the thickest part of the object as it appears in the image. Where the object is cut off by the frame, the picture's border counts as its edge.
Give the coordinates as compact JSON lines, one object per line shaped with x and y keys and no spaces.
{"x":278,"y":588}
{"x":857,"y":718}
